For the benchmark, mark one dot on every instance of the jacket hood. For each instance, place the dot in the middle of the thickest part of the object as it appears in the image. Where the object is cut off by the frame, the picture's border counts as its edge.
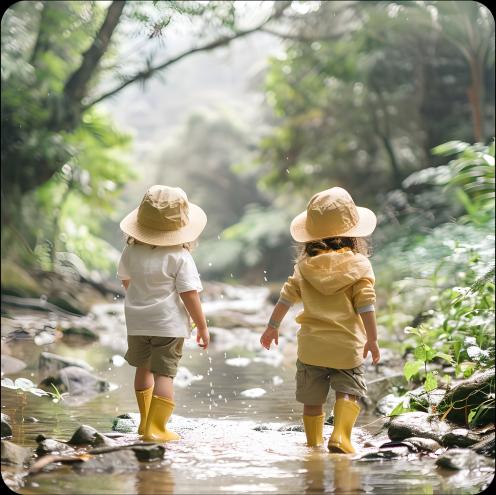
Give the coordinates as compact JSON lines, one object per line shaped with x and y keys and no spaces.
{"x":331,"y":272}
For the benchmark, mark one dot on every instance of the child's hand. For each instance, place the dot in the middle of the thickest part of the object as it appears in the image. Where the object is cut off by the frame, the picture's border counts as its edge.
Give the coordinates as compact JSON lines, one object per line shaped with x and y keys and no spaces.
{"x":374,"y":351}
{"x":270,"y":334}
{"x":203,"y":336}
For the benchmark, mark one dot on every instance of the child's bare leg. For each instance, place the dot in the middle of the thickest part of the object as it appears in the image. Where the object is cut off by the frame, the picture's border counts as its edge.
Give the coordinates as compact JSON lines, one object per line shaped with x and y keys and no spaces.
{"x":312,"y":410}
{"x":164,"y":387}
{"x":143,"y":379}
{"x":340,"y":395}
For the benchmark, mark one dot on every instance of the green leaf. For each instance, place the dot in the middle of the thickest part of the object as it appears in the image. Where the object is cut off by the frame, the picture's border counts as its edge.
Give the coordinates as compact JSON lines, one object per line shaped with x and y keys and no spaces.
{"x":420,"y":353}
{"x":412,"y":368}
{"x":472,"y":414}
{"x":444,"y":356}
{"x":430,"y":382}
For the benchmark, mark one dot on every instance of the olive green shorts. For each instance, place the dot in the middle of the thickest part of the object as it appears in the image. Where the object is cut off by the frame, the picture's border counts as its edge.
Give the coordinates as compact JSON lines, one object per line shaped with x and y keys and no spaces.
{"x":313,"y":382}
{"x":160,"y":355}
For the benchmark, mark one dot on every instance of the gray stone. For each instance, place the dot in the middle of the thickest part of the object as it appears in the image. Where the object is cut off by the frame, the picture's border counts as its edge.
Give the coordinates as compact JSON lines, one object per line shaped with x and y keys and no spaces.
{"x":423,"y":444}
{"x":385,"y":454}
{"x":417,"y":424}
{"x":117,"y":461}
{"x":460,"y":437}
{"x":124,"y":425}
{"x":103,"y":441}
{"x":11,"y":364}
{"x":147,"y":453}
{"x":14,"y":454}
{"x":458,"y":459}
{"x":486,"y":445}
{"x":292,"y":428}
{"x":6,"y":428}
{"x":50,"y":363}
{"x":50,"y":446}
{"x":387,"y":404}
{"x":382,"y":386}
{"x":76,"y":381}
{"x":84,"y":435}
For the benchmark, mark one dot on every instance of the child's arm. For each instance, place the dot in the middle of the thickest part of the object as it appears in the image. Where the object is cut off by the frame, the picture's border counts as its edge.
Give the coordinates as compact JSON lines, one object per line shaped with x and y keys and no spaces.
{"x":368,"y":319}
{"x":272,"y":331}
{"x":191,"y":300}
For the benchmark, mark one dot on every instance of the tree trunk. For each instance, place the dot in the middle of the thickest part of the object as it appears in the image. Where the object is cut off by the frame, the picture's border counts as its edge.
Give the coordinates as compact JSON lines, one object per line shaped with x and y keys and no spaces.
{"x":476,"y":98}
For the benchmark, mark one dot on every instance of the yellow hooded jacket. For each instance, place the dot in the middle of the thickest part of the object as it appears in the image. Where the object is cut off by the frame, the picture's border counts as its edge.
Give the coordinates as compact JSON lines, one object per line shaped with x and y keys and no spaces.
{"x":333,"y":287}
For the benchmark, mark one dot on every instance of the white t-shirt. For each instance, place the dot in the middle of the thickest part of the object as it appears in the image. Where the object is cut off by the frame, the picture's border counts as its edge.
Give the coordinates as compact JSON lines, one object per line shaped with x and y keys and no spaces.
{"x":158,"y":275}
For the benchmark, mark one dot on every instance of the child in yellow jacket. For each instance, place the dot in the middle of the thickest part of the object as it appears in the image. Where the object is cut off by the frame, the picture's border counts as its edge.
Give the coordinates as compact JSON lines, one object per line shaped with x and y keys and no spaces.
{"x":334,"y":280}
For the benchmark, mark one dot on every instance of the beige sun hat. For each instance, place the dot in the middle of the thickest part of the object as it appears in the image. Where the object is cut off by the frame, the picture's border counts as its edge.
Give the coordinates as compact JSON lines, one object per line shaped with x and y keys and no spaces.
{"x":332,"y":213}
{"x":165,"y":217}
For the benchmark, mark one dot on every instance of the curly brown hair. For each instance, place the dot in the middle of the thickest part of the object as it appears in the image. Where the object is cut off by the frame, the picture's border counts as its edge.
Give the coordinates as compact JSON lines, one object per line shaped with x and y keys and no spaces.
{"x":313,"y":248}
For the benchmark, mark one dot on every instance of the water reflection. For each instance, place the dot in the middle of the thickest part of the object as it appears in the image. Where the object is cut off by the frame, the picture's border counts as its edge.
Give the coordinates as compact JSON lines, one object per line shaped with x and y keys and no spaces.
{"x":221,"y":451}
{"x":346,"y":477}
{"x":158,"y":480}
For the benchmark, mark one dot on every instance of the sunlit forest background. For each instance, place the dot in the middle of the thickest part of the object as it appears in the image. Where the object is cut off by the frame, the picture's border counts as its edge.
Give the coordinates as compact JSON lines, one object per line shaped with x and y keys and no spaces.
{"x":252,"y":108}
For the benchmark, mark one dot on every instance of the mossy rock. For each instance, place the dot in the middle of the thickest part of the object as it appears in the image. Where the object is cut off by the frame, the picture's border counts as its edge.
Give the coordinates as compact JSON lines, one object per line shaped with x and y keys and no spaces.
{"x":18,"y":282}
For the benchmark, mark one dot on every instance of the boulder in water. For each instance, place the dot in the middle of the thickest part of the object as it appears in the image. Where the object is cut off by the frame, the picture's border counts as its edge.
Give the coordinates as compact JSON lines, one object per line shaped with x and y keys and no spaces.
{"x":76,"y":381}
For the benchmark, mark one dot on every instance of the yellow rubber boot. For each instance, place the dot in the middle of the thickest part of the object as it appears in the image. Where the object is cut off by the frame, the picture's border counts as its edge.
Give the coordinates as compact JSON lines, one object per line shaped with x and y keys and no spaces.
{"x":314,"y":429}
{"x":144,"y":398}
{"x":158,"y":415}
{"x":345,"y":414}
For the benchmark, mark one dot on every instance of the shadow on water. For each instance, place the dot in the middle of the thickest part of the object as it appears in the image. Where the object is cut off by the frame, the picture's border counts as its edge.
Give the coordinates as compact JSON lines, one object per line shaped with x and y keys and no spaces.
{"x":220,"y":451}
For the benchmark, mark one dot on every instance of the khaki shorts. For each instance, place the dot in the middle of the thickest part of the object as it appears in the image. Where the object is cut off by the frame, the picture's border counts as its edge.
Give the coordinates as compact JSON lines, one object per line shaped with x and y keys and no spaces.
{"x":160,"y":355}
{"x":313,"y":382}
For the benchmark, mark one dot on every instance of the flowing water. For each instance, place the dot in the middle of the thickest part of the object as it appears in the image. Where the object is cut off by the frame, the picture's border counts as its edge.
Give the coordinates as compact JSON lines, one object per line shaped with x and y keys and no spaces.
{"x":223,"y":396}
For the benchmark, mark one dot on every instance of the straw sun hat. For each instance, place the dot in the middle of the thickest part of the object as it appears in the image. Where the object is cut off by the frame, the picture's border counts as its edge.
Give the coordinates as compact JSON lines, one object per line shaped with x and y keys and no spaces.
{"x":332,"y":213}
{"x":165,"y":217}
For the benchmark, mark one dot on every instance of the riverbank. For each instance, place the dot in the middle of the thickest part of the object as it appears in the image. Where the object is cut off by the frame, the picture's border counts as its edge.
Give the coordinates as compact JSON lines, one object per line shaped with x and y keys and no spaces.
{"x":240,"y":426}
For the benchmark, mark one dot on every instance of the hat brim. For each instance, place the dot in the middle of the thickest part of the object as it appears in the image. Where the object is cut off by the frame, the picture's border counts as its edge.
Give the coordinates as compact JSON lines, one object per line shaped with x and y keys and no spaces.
{"x":365,"y":226}
{"x":188,"y":233}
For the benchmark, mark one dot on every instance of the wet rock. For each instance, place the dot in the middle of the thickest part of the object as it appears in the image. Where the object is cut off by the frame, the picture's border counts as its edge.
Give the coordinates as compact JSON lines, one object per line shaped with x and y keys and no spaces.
{"x":76,"y":381}
{"x":50,"y":363}
{"x":468,"y":395}
{"x":147,"y":453}
{"x":117,"y":461}
{"x":81,"y":332}
{"x":385,"y":454}
{"x":51,"y":446}
{"x":103,"y":441}
{"x":387,"y":404}
{"x":14,"y":454}
{"x":414,"y":444}
{"x":261,"y":428}
{"x":11,"y":365}
{"x":458,"y":459}
{"x":423,"y":444}
{"x":486,"y":445}
{"x":376,"y":389}
{"x":125,"y":423}
{"x":292,"y":428}
{"x":417,"y":424}
{"x":460,"y":437}
{"x":84,"y":435}
{"x":6,"y":428}
{"x":30,"y":419}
